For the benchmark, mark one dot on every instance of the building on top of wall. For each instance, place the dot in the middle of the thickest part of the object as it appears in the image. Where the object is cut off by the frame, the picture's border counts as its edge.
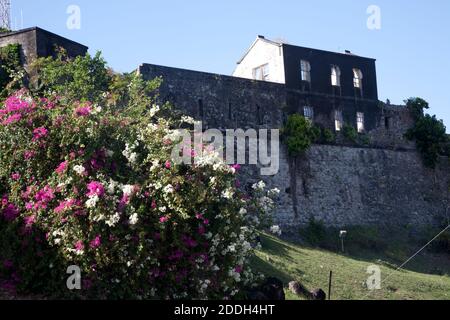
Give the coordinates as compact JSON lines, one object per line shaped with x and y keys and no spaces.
{"x":37,"y":43}
{"x":332,"y":89}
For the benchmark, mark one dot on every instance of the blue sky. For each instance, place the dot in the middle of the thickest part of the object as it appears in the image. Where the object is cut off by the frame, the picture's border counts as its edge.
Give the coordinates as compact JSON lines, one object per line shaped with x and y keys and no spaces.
{"x":412,"y":47}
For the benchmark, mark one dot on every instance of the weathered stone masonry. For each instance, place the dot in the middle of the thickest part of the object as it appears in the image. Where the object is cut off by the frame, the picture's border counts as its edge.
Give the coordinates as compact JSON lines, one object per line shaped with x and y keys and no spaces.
{"x":384,"y":184}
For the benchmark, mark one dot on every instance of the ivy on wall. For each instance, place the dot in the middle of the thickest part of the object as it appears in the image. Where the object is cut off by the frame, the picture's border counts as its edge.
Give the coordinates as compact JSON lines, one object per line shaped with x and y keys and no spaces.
{"x":10,"y":63}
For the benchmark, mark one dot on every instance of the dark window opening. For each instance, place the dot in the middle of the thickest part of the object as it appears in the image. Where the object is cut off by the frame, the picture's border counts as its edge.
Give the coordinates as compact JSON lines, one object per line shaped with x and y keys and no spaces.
{"x":387,"y":121}
{"x":258,"y":115}
{"x":200,"y":108}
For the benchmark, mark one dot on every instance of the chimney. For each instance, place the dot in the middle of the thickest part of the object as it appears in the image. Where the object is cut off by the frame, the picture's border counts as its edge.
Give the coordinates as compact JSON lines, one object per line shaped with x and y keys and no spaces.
{"x":348,"y":52}
{"x":261,"y":37}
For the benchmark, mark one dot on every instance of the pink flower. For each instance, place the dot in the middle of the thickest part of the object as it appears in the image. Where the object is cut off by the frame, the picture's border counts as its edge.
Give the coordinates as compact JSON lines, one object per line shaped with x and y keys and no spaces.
{"x":168,"y":165}
{"x":79,"y":246}
{"x":61,"y":168}
{"x":29,"y":155}
{"x":94,"y":244}
{"x":15,"y":176}
{"x":39,"y":133}
{"x":236,"y":167}
{"x":164,"y":219}
{"x":238,"y":269}
{"x":95,"y":188}
{"x":12,"y":119}
{"x":201,"y":230}
{"x":29,"y":221}
{"x":82,"y":111}
{"x":10,"y":213}
{"x":65,"y":205}
{"x":43,"y":197}
{"x":153,"y":204}
{"x":8,"y":264}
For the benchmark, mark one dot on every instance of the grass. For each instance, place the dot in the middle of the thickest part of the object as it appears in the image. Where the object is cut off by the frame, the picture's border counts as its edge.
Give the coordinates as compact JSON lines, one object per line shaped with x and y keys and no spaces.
{"x":311,"y":266}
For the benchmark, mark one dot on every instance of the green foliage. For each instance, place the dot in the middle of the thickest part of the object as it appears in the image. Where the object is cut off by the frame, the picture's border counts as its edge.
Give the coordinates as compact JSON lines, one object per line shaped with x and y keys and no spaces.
{"x":94,"y":185}
{"x":314,"y":233}
{"x":328,"y":136}
{"x":10,"y":64}
{"x":350,"y":133}
{"x":84,"y":78}
{"x":428,"y":132}
{"x":417,"y":106}
{"x":4,"y":30}
{"x":299,"y":134}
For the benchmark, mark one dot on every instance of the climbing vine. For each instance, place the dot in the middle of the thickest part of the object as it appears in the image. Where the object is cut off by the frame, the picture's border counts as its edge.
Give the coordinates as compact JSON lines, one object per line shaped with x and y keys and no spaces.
{"x":428,"y":132}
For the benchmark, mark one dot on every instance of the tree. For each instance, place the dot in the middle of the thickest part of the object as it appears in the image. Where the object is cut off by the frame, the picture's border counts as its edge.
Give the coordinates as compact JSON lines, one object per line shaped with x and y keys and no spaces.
{"x":428,"y":132}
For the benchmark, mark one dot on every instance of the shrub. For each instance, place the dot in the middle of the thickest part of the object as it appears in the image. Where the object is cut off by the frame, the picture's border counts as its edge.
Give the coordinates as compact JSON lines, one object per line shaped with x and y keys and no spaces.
{"x":350,"y":133}
{"x":11,"y":71}
{"x":315,"y":232}
{"x":299,"y":134}
{"x":93,"y":185}
{"x":328,"y":136}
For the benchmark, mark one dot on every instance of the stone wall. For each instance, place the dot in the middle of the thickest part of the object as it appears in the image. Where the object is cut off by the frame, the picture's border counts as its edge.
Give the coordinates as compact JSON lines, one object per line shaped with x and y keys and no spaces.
{"x":36,"y":42}
{"x":344,"y":186}
{"x":383,"y":184}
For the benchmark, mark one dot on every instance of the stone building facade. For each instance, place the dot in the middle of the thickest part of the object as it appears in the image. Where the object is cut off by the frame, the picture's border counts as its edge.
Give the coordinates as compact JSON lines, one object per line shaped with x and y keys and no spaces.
{"x":383,"y":183}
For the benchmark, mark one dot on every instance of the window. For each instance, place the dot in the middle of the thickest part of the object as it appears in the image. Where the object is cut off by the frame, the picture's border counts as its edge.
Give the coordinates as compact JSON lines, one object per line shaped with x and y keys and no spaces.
{"x":261,"y":72}
{"x":308,"y":113}
{"x":357,"y":78}
{"x":338,"y":120}
{"x":305,"y":70}
{"x":360,"y":122}
{"x":335,"y":76}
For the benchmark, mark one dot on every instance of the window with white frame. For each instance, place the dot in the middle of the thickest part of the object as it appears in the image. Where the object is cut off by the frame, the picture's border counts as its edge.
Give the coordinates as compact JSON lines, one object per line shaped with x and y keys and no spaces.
{"x":261,"y":72}
{"x":305,"y":70}
{"x":308,"y":113}
{"x":357,"y":78}
{"x":335,"y":76}
{"x":360,"y":121}
{"x":338,"y":120}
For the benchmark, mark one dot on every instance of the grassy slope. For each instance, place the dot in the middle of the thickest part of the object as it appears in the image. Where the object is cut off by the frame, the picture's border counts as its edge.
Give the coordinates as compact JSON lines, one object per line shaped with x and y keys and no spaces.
{"x":311,"y":267}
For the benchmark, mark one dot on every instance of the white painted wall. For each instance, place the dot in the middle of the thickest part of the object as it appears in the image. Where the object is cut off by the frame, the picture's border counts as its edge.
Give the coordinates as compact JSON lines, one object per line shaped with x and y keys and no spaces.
{"x":263,"y":52}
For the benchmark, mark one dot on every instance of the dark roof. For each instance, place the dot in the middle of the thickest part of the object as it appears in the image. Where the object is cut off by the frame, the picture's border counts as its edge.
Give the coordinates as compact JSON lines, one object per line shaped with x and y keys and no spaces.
{"x":277,"y":43}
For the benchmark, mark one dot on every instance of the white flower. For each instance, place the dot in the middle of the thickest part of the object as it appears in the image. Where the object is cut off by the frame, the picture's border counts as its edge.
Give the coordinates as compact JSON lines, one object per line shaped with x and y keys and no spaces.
{"x":228,"y":194}
{"x":109,"y":153}
{"x":243,"y":211}
{"x":188,"y":120}
{"x":155,"y":165}
{"x":154,"y":110}
{"x":274,"y":192}
{"x":128,"y":190}
{"x":96,"y":110}
{"x":275,"y":230}
{"x":232,"y":248}
{"x":169,"y":189}
{"x":113,"y":220}
{"x":92,"y":202}
{"x":259,"y":186}
{"x":112,"y":186}
{"x":133,"y":219}
{"x":80,"y":170}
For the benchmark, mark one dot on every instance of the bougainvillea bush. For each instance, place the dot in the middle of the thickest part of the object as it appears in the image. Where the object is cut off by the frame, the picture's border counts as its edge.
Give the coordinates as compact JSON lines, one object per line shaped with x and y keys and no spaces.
{"x":93,"y":186}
